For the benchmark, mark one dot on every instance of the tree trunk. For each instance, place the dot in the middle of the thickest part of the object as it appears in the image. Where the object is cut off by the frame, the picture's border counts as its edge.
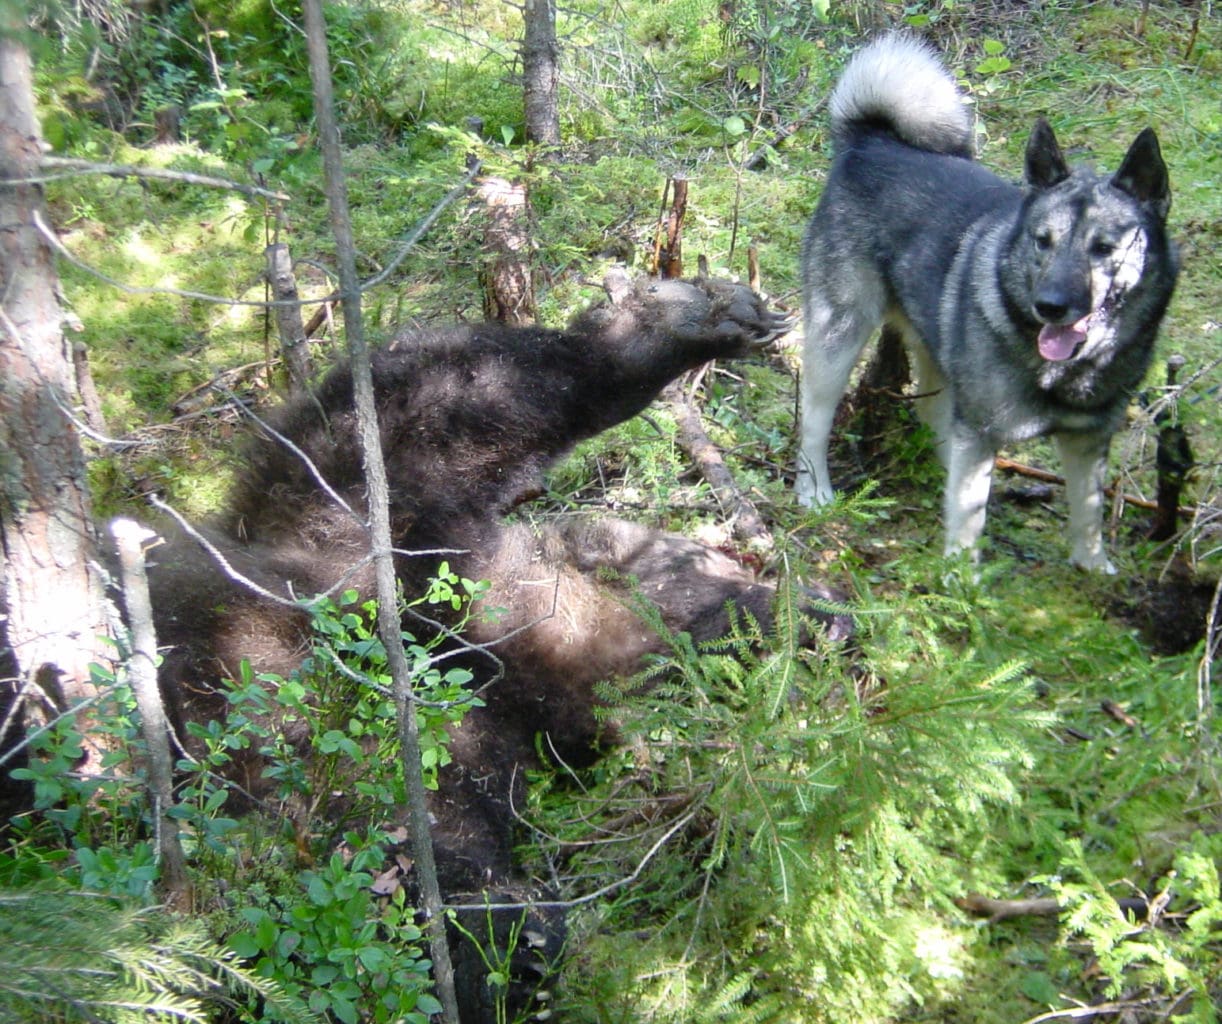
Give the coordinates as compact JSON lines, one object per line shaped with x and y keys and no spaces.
{"x":541,"y":71}
{"x":668,"y":244}
{"x":294,"y":342}
{"x":52,"y":593}
{"x":174,"y":882}
{"x":509,"y":290}
{"x":390,"y":625}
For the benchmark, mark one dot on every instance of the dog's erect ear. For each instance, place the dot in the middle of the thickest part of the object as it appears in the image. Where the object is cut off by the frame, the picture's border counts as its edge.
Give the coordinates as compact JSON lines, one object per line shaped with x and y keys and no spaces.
{"x":1143,"y":175}
{"x":1046,"y":164}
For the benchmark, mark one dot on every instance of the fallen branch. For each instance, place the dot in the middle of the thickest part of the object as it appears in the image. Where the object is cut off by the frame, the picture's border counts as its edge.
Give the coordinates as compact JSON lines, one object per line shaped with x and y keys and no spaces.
{"x":1001,"y":910}
{"x":1044,"y":476}
{"x":75,"y":168}
{"x":759,"y":159}
{"x":589,"y":897}
{"x":668,"y":241}
{"x":1080,"y":1012}
{"x":745,"y":521}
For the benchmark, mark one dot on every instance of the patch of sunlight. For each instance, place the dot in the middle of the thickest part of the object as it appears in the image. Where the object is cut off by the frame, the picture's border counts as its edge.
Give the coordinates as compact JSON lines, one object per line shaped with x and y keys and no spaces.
{"x":241,"y":319}
{"x":941,"y":951}
{"x":149,"y":262}
{"x":1037,"y":616}
{"x":228,"y":224}
{"x":166,"y":155}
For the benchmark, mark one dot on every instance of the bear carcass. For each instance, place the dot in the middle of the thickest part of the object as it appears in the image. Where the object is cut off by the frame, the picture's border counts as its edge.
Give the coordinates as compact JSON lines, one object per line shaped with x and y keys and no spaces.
{"x":470,"y":418}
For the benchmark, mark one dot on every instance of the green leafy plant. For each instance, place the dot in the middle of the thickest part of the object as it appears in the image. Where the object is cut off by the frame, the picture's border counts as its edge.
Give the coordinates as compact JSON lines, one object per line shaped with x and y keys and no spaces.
{"x":321,"y":937}
{"x":340,"y":699}
{"x":496,"y":954}
{"x":343,"y":950}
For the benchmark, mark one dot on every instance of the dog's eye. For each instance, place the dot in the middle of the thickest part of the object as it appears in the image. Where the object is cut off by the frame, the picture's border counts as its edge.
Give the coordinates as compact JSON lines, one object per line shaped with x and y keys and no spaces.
{"x":1101,"y":248}
{"x":1043,"y":240}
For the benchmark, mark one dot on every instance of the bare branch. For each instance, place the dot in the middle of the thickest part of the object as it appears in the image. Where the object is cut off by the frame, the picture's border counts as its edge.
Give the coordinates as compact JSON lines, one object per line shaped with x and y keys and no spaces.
{"x":53,"y":240}
{"x":74,"y":168}
{"x":408,"y":244}
{"x":220,"y":559}
{"x":1082,"y":1012}
{"x":281,"y":439}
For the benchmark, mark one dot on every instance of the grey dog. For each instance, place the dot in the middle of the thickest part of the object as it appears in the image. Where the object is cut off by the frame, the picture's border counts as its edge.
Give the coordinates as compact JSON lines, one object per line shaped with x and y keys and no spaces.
{"x":1027,"y":311}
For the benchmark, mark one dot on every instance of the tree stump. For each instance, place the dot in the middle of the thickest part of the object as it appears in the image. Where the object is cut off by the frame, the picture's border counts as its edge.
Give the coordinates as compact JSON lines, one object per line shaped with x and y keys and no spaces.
{"x":509,"y":292}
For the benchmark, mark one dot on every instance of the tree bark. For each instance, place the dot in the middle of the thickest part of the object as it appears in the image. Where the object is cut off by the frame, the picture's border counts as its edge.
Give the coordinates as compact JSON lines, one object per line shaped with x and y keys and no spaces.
{"x":130,"y":538}
{"x":541,"y":71}
{"x":52,"y":592}
{"x":509,"y":290}
{"x":668,"y":246}
{"x":294,"y":342}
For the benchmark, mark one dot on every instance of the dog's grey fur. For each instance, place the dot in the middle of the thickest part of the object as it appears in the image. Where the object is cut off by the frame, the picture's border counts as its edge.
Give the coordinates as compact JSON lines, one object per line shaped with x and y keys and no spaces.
{"x":1027,"y":311}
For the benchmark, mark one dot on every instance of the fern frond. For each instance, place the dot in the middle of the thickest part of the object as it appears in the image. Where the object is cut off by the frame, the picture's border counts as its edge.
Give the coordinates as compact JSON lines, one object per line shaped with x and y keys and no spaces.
{"x":74,"y":956}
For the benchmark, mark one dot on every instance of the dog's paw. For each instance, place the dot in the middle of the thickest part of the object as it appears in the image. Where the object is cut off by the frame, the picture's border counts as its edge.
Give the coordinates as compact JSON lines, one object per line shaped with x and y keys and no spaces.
{"x":809,"y":494}
{"x":1096,"y":561}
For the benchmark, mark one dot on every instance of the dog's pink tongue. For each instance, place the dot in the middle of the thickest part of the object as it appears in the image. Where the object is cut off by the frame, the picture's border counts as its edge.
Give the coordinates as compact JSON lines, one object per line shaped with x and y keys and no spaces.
{"x":1060,"y":343}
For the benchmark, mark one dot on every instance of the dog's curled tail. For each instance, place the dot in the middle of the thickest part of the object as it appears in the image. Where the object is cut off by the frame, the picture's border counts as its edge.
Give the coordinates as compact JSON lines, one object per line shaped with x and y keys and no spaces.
{"x":900,"y":83}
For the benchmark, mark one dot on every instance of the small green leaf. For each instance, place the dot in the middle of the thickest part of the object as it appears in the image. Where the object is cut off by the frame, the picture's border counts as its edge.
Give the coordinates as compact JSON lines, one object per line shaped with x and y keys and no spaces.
{"x":749,"y":75}
{"x":734,"y":125}
{"x":1039,"y":988}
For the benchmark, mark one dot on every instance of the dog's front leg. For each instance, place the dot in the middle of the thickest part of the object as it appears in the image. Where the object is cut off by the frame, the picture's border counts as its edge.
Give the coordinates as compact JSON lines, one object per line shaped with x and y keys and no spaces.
{"x":969,"y":463}
{"x":1084,"y":460}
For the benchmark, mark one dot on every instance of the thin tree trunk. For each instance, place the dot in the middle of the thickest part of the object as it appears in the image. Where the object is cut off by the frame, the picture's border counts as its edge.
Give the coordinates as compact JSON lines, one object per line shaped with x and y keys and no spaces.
{"x":52,"y":593}
{"x":509,"y":292}
{"x":130,"y":537}
{"x":668,"y":247}
{"x":293,"y":339}
{"x":541,"y":71}
{"x":390,"y":627}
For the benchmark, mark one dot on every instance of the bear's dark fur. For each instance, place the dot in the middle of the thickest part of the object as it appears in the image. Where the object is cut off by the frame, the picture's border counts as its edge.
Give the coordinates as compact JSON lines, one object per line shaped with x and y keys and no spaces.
{"x":470,"y":418}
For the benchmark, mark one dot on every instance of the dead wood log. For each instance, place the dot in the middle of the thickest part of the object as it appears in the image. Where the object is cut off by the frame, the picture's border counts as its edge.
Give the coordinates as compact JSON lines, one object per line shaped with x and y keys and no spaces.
{"x":1043,"y":475}
{"x":1173,"y":461}
{"x":167,"y":124}
{"x":745,"y":521}
{"x":753,"y":267}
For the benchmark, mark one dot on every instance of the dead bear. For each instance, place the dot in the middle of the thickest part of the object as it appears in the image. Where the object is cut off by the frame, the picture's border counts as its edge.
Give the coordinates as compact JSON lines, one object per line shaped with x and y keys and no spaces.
{"x":470,"y":418}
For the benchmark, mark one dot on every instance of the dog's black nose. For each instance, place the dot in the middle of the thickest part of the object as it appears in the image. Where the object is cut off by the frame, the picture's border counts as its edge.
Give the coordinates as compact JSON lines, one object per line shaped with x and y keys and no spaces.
{"x":1050,"y":311}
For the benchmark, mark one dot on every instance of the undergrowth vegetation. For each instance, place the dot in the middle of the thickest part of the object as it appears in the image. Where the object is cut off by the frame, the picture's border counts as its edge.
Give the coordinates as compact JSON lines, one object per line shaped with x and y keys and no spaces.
{"x":785,"y":835}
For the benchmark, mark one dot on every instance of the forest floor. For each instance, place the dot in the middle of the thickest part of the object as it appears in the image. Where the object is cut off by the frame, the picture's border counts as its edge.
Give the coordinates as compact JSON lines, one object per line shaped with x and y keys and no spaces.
{"x":1033,"y":732}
